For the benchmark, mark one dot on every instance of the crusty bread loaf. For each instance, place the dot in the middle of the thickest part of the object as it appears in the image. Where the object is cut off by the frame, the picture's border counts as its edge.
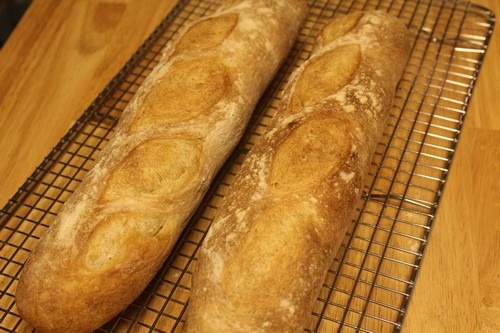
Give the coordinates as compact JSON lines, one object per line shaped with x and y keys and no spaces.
{"x":266,"y":255}
{"x":114,"y":233}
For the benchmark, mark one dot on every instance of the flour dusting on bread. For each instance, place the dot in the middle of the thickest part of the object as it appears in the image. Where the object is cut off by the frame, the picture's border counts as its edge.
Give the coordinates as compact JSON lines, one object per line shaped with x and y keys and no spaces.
{"x":118,"y":227}
{"x":285,"y":214}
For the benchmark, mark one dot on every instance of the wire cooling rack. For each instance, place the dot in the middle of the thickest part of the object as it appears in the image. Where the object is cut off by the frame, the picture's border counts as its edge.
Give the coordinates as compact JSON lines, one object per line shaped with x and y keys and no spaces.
{"x":370,"y":283}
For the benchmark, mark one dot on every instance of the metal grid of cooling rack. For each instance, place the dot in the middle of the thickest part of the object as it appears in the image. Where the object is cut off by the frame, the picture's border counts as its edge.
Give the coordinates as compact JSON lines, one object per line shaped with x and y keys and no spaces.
{"x":369,"y":284}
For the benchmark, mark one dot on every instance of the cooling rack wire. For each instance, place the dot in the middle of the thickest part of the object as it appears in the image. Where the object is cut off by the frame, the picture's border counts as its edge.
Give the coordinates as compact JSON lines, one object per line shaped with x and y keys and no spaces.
{"x":368,"y":287}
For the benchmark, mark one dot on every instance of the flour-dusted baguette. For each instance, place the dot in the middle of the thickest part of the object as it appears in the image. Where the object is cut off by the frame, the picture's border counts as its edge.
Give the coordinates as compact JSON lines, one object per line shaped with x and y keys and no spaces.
{"x":265,"y":257}
{"x":116,"y":230}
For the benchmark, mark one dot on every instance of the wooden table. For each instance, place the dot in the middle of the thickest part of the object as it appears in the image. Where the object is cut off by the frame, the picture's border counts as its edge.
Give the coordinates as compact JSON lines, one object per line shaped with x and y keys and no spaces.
{"x":63,"y":53}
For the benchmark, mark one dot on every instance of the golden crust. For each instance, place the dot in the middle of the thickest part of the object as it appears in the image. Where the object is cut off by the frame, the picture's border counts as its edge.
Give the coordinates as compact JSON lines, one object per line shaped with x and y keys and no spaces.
{"x":277,"y":231}
{"x":116,"y":230}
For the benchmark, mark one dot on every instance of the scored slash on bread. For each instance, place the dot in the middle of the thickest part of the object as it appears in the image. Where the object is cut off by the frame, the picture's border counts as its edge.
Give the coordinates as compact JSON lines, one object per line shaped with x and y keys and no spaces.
{"x":113,"y":234}
{"x":278,"y":229}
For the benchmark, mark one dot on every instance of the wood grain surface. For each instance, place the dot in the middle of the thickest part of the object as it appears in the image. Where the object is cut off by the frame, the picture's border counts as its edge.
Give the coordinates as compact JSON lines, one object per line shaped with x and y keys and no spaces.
{"x":63,"y":53}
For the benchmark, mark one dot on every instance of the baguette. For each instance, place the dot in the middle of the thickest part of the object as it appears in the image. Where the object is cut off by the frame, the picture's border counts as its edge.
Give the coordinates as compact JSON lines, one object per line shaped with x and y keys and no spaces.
{"x":116,"y":230}
{"x":266,"y":255}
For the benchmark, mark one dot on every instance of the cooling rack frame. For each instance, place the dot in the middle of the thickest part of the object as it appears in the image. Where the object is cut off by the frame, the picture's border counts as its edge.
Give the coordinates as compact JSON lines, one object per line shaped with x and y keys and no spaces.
{"x":382,"y":251}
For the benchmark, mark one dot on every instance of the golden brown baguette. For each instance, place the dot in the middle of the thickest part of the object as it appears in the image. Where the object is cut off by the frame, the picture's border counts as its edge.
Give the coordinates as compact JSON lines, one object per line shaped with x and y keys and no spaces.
{"x":266,"y":255}
{"x":114,"y":233}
